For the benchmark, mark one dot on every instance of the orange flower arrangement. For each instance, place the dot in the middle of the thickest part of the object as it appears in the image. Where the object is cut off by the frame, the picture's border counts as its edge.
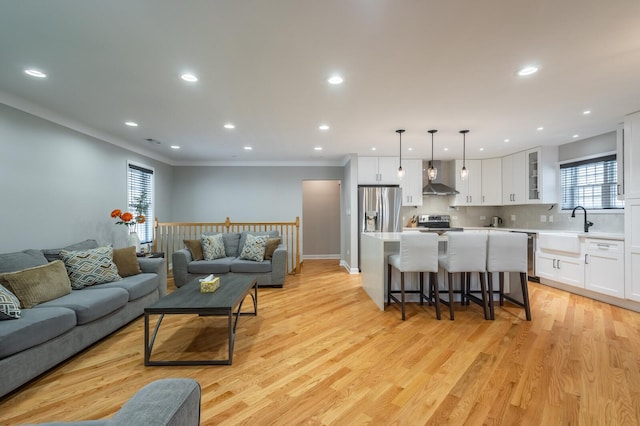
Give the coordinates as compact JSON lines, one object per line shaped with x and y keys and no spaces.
{"x":127,"y":218}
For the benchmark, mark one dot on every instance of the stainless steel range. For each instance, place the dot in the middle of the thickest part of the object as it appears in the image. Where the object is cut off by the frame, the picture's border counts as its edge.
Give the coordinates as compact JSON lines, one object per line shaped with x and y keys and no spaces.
{"x":436,"y":223}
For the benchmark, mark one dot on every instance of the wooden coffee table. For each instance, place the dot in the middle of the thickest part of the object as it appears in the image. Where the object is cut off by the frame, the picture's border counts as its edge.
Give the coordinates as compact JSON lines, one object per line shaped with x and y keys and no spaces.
{"x":225,"y":301}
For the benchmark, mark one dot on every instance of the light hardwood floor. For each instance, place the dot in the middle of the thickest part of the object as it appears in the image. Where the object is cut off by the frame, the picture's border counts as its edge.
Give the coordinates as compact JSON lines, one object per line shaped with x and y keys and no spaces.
{"x":320,"y":352}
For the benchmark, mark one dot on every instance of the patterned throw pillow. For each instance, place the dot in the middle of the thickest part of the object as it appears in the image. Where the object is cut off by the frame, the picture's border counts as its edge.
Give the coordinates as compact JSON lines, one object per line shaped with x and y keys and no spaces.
{"x":213,"y":247}
{"x":9,"y":305}
{"x":89,"y":267}
{"x":253,"y":248}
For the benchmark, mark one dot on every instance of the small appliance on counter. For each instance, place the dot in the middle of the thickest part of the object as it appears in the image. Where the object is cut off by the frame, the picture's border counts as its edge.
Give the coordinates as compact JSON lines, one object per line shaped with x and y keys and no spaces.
{"x":436,"y":223}
{"x":496,"y":221}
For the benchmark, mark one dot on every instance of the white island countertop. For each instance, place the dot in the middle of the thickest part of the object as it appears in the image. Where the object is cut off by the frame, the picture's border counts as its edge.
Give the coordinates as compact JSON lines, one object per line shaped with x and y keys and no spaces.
{"x":599,"y":235}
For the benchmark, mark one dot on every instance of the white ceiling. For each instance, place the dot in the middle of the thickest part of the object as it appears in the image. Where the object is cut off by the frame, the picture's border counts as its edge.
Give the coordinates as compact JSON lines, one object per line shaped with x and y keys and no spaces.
{"x":263,"y":65}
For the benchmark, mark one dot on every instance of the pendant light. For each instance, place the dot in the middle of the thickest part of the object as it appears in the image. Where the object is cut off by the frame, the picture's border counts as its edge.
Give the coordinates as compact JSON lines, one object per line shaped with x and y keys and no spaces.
{"x":432,"y":172}
{"x":463,"y":171}
{"x":400,"y":171}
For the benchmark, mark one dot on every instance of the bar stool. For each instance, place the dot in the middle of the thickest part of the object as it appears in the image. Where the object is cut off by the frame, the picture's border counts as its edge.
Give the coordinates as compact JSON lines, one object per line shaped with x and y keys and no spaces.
{"x":466,"y":253}
{"x":507,"y":252}
{"x":418,"y":253}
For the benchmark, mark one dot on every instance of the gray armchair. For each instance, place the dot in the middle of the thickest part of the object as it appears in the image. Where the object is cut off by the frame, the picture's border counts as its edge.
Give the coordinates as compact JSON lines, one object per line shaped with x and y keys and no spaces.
{"x":165,"y":402}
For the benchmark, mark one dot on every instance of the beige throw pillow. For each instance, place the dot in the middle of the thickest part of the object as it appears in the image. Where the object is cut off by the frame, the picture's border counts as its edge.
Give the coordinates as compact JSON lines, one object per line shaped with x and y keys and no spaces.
{"x":195,"y":248}
{"x":39,"y":284}
{"x":126,"y":261}
{"x":272,"y":245}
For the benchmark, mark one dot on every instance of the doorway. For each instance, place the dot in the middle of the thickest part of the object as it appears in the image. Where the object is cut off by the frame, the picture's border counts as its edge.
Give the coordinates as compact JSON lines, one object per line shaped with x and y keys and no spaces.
{"x":321,"y":219}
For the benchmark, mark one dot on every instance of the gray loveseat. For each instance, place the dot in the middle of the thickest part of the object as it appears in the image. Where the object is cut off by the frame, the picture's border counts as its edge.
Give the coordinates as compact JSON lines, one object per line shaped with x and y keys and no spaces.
{"x":52,"y":331}
{"x":268,"y":272}
{"x":165,"y":402}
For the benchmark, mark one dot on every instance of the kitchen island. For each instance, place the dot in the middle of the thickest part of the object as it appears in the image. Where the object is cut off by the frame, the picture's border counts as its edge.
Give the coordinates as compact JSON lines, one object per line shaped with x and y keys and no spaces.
{"x":375,"y":250}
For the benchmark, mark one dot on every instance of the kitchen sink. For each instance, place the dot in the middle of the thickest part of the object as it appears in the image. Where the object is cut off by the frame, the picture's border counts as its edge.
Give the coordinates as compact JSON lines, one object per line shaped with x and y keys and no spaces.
{"x":559,"y":241}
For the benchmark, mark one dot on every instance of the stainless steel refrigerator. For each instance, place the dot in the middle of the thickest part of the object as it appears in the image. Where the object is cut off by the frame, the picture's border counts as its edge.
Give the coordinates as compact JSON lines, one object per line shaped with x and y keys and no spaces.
{"x":378,"y":210}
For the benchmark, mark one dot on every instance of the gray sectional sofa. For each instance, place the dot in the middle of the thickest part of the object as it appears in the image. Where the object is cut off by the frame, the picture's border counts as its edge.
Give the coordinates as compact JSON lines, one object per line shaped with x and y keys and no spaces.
{"x":268,"y":272}
{"x":52,"y":331}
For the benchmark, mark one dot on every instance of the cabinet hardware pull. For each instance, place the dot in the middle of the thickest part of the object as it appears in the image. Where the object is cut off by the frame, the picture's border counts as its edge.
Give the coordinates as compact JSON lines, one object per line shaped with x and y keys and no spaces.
{"x":603,"y":245}
{"x":586,"y":259}
{"x":558,"y":263}
{"x":554,"y":264}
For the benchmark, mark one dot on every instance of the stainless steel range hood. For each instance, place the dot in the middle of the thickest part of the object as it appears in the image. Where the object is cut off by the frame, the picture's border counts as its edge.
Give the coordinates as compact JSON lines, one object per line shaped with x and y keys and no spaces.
{"x":436,"y":186}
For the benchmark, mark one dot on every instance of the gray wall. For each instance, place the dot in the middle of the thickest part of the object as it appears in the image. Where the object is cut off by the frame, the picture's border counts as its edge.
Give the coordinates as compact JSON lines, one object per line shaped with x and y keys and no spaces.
{"x":211,"y":193}
{"x":58,"y":186}
{"x":321,"y":213}
{"x":588,"y":147}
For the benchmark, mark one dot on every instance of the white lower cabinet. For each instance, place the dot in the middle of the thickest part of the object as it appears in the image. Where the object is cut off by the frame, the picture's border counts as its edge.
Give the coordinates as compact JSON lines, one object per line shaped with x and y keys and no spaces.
{"x":567,"y":269}
{"x":604,"y":266}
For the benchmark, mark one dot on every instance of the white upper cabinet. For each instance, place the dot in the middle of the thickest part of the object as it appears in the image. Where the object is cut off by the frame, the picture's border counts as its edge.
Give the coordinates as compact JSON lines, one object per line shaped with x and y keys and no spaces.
{"x":492,"y":182}
{"x":632,"y":156}
{"x":620,"y":160}
{"x":411,"y":183}
{"x":378,"y":170}
{"x":530,"y":177}
{"x":541,"y":175}
{"x":470,"y":189}
{"x":514,"y":186}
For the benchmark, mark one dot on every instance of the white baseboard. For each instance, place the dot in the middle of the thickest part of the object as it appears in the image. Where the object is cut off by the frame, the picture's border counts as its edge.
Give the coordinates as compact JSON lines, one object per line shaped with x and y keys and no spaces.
{"x":349,"y":269}
{"x":320,"y":256}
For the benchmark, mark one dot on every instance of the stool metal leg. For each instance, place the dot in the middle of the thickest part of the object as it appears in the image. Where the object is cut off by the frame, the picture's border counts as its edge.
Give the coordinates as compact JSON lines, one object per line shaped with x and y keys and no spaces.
{"x":490,"y":299}
{"x":433,"y":284}
{"x":525,"y":295}
{"x":389,"y":285}
{"x":402,"y":293}
{"x":483,"y":289}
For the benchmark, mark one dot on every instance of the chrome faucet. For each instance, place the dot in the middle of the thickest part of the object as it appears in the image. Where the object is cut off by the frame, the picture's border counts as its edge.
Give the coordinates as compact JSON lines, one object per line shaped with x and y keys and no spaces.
{"x":587,"y":224}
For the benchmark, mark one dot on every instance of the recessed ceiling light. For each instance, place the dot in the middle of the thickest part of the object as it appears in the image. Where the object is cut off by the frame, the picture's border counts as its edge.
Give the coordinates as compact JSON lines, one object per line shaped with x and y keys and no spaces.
{"x":506,"y":140}
{"x":576,"y":135}
{"x":175,"y":146}
{"x":323,"y":127}
{"x":446,"y":149}
{"x":189,"y":77}
{"x":131,"y":123}
{"x":587,"y":112}
{"x":410,"y":149}
{"x":374,"y":148}
{"x":481,"y":149}
{"x":229,"y":126}
{"x":540,"y":128}
{"x":35,"y":73}
{"x":336,"y":79}
{"x":248,"y":148}
{"x":528,"y":70}
{"x":318,"y":148}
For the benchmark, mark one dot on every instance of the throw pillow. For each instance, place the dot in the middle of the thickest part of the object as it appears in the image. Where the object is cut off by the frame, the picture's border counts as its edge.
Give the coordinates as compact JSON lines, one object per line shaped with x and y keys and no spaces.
{"x":39,"y":284}
{"x":126,"y":261}
{"x":272,"y":245}
{"x":89,"y":267}
{"x":195,"y":248}
{"x":213,"y":247}
{"x":9,"y":305}
{"x":253,"y":248}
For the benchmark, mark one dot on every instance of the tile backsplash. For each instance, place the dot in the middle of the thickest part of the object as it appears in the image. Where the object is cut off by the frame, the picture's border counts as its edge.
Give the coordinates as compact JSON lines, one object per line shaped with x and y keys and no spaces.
{"x":532,"y":216}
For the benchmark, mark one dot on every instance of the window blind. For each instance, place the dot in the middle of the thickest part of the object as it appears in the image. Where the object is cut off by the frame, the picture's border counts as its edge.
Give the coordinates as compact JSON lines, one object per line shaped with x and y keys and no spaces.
{"x":140,"y":181}
{"x":590,"y":183}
